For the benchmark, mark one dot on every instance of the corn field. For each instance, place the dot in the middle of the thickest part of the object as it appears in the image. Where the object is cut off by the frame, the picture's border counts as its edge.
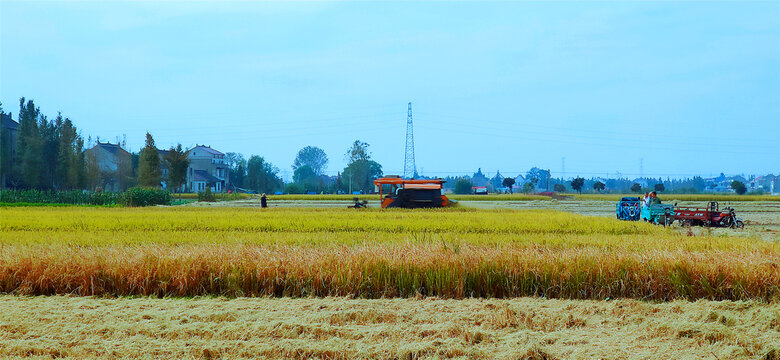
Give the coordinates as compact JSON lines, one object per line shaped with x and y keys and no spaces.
{"x":449,"y":253}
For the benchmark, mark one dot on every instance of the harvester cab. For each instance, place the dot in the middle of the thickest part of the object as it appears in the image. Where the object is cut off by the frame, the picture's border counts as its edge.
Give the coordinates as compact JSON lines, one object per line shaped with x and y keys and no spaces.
{"x":410,"y":193}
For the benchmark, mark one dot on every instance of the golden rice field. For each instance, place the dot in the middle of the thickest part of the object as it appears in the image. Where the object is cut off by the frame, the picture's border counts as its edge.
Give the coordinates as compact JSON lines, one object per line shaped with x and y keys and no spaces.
{"x":372,"y":253}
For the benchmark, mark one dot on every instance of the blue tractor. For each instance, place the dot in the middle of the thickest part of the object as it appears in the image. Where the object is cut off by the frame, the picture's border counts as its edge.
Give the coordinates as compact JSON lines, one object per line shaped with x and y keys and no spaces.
{"x":628,"y":209}
{"x":661,"y":214}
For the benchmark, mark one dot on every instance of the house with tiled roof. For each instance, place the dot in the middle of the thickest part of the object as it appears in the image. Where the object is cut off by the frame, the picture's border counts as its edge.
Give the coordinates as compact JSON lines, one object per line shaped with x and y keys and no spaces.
{"x":114,"y":164}
{"x":10,"y":140}
{"x":207,"y":170}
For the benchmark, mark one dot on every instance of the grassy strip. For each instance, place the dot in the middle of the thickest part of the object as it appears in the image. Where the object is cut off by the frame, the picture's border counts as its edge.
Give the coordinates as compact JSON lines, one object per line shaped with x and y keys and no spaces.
{"x":24,"y":204}
{"x":218,"y":196}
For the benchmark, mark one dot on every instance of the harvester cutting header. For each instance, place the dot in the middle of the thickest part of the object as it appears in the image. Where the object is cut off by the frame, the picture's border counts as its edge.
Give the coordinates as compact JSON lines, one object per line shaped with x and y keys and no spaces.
{"x":411,"y":193}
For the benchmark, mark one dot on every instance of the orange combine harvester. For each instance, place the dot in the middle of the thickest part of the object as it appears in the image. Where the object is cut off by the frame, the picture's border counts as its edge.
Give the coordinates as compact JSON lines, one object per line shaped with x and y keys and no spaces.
{"x":406,"y":193}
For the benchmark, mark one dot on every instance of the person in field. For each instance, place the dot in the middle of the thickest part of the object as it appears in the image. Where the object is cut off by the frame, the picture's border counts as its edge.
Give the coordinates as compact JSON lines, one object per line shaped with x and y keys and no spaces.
{"x":263,"y":201}
{"x":646,"y":200}
{"x":654,"y":198}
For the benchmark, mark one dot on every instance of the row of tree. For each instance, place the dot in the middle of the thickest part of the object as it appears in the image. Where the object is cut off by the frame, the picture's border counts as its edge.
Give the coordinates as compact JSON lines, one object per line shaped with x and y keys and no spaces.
{"x":308,"y":172}
{"x":50,"y":154}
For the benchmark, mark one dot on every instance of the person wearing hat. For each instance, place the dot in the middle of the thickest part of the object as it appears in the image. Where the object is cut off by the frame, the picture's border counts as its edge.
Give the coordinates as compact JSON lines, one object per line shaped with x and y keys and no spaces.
{"x":263,"y":201}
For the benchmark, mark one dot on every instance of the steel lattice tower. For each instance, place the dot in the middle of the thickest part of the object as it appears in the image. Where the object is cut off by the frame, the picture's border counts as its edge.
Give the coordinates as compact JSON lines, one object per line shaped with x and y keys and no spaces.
{"x":410,"y":169}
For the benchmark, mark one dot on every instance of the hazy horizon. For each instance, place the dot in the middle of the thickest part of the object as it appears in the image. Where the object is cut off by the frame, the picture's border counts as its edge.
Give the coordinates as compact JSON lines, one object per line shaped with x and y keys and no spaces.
{"x":689,"y":88}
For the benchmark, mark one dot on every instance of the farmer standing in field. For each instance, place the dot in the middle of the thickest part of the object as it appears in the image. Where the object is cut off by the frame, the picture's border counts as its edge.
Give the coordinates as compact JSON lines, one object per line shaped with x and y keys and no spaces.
{"x":263,"y":201}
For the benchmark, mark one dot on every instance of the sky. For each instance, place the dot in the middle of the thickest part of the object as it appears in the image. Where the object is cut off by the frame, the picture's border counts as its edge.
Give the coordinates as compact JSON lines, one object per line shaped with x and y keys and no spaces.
{"x":663,"y":89}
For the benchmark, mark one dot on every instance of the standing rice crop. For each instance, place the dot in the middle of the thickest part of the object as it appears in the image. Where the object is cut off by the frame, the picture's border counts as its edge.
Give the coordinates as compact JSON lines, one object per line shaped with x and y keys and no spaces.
{"x":339,"y":252}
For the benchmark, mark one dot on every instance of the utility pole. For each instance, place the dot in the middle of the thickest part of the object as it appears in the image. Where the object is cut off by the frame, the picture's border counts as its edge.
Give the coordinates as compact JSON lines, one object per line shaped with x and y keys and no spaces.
{"x":409,"y":166}
{"x":548,"y":180}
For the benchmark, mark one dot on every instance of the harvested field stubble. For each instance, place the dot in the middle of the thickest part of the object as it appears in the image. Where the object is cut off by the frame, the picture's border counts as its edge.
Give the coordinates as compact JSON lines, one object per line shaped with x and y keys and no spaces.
{"x":303,"y":252}
{"x":339,"y":328}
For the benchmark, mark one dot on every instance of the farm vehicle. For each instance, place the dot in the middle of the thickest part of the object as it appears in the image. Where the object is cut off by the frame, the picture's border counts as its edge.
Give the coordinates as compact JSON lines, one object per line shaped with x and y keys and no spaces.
{"x":411,"y":193}
{"x":632,"y":209}
{"x":661,"y":214}
{"x":710,"y":216}
{"x":628,"y":209}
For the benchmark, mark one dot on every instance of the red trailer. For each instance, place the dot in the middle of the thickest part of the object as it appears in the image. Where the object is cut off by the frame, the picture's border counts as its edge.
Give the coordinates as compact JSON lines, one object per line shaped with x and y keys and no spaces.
{"x":710,"y":216}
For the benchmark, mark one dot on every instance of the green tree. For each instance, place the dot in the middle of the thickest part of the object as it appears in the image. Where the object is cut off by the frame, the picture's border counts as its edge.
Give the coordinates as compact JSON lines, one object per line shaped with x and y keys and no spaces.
{"x":659,"y":187}
{"x":30,"y":146}
{"x":358,"y":151}
{"x":236,"y":169}
{"x":528,"y":187}
{"x":50,"y":138}
{"x":293,"y":188}
{"x":577,"y":184}
{"x":508,"y":182}
{"x":739,"y":187}
{"x":599,"y":186}
{"x":359,"y":175}
{"x":261,"y":175}
{"x":306,"y":177}
{"x":313,"y":157}
{"x":67,"y":164}
{"x":149,"y":173}
{"x":537,"y":176}
{"x":5,"y":150}
{"x":78,"y":170}
{"x":361,"y":170}
{"x":177,"y":162}
{"x":559,"y":188}
{"x":636,"y":188}
{"x":463,"y":186}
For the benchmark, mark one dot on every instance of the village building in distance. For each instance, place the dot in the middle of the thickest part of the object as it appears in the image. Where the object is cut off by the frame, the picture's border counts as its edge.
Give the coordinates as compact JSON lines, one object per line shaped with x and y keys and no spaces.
{"x":207,"y":168}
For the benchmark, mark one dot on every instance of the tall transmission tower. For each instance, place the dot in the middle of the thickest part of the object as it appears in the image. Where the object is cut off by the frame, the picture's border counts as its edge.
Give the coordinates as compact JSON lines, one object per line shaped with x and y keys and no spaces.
{"x":563,"y":168}
{"x":410,"y":169}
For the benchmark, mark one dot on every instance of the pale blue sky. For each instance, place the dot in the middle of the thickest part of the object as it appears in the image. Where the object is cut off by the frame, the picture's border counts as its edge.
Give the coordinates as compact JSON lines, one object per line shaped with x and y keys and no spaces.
{"x":690,"y":87}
